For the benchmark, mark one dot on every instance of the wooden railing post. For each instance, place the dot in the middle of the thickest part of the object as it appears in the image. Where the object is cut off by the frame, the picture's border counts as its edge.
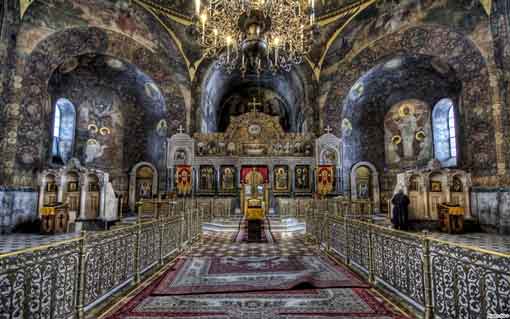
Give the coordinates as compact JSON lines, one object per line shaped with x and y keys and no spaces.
{"x":427,"y":278}
{"x":80,"y":299}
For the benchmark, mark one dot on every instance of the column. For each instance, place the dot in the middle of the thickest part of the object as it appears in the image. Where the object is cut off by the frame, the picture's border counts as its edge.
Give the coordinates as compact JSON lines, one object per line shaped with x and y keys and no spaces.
{"x":61,"y":183}
{"x":42,"y":188}
{"x":102,"y":197}
{"x":83,"y":197}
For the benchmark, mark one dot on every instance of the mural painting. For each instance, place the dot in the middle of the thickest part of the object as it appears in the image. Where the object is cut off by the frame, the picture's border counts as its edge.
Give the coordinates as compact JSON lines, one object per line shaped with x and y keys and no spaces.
{"x":408,"y":133}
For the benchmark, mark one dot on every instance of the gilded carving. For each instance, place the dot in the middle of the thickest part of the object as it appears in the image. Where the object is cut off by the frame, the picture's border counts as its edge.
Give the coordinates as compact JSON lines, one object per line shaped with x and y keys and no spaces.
{"x":254,"y":134}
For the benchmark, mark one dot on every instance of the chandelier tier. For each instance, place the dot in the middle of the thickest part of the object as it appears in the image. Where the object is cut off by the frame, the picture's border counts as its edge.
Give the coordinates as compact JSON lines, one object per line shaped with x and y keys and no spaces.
{"x":256,"y":35}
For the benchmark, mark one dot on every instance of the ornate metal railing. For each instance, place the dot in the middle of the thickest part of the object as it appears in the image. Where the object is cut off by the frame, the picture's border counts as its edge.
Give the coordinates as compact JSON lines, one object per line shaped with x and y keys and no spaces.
{"x":66,"y":279}
{"x":436,"y":278}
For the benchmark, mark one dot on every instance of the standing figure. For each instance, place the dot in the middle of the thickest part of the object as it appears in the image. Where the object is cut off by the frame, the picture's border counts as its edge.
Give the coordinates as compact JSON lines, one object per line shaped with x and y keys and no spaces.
{"x":400,"y":210}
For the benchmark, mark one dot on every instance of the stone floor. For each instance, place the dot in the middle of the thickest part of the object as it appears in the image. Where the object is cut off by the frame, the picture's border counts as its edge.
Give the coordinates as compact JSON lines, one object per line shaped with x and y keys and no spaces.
{"x":493,"y":242}
{"x":216,"y":244}
{"x":487,"y":241}
{"x":14,"y":242}
{"x":220,"y":245}
{"x":351,"y":301}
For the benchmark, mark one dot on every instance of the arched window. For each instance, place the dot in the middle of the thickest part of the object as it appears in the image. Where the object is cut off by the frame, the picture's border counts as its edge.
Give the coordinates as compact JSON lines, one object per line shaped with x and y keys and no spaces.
{"x":64,"y":124}
{"x":445,"y":133}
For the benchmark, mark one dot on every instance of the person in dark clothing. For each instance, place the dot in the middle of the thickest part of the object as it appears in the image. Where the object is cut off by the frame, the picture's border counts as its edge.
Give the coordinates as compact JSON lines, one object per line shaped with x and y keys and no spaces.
{"x":400,"y":210}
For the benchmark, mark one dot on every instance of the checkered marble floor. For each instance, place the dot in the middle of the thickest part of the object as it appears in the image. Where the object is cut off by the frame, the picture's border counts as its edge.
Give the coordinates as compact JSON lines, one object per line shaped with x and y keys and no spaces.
{"x":14,"y":242}
{"x":494,"y":242}
{"x":221,"y":244}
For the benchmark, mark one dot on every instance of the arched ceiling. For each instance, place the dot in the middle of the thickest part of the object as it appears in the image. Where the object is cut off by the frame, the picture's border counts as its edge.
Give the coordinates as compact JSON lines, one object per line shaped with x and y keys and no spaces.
{"x":186,"y":7}
{"x":218,"y":87}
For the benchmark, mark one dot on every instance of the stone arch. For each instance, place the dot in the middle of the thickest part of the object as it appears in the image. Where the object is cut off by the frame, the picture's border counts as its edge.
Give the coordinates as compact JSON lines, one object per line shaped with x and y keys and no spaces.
{"x":451,"y":49}
{"x":376,"y":193}
{"x":55,"y":50}
{"x":132,"y":182}
{"x":300,"y":77}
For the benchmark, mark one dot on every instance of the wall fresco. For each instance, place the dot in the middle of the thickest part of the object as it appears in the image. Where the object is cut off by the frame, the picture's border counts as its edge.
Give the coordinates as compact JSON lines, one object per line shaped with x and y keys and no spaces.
{"x":51,"y":34}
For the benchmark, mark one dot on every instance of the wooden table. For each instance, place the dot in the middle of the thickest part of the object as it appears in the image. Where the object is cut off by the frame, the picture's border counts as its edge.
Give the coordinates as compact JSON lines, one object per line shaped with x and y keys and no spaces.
{"x":54,"y":219}
{"x":451,"y":218}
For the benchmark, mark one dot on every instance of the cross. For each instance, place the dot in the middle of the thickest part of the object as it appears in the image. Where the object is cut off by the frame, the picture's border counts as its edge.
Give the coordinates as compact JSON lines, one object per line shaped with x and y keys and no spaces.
{"x":328,"y":129}
{"x":254,"y":104}
{"x":180,"y":129}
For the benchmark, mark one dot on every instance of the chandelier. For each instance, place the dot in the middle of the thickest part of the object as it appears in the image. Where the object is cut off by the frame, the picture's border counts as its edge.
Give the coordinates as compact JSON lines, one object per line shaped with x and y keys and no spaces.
{"x":256,"y":35}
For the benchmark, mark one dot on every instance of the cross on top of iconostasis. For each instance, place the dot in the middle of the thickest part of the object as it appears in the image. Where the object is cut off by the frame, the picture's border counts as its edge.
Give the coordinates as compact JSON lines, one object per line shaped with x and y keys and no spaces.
{"x":253,"y":104}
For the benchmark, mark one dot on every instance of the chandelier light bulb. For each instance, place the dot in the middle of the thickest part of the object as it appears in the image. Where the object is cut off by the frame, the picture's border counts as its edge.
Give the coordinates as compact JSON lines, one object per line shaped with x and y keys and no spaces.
{"x":203,"y":17}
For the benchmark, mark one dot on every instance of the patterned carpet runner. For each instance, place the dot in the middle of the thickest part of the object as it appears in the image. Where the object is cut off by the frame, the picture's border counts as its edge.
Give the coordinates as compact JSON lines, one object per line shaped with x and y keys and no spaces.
{"x":200,"y":275}
{"x":239,"y":286}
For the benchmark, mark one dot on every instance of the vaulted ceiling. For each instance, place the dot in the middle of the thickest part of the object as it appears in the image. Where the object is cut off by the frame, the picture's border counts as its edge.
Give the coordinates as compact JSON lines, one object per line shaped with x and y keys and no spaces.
{"x":185,"y":7}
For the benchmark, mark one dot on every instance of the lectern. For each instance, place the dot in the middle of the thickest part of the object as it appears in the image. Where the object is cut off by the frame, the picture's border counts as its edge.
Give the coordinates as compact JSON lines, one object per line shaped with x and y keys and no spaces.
{"x":254,"y":202}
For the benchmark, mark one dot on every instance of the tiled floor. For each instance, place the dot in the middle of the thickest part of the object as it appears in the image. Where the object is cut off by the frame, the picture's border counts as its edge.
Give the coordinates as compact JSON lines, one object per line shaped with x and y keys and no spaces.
{"x":491,"y":242}
{"x":494,"y":242}
{"x":13,"y":242}
{"x":221,"y":244}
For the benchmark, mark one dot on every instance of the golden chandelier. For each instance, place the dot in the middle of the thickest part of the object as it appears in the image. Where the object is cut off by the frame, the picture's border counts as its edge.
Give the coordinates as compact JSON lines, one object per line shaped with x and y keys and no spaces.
{"x":256,"y":35}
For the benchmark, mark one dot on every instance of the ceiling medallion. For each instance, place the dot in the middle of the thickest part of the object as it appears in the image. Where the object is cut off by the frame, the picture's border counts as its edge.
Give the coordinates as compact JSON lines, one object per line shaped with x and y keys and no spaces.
{"x":256,"y":35}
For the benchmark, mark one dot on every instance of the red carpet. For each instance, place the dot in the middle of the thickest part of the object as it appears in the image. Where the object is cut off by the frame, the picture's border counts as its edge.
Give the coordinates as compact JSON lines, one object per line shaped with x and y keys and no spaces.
{"x":240,"y":274}
{"x":295,"y":304}
{"x":262,"y":286}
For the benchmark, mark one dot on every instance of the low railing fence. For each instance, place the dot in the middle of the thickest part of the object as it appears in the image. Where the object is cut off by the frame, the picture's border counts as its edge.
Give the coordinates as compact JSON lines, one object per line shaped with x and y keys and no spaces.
{"x":438,"y":279}
{"x":66,"y":279}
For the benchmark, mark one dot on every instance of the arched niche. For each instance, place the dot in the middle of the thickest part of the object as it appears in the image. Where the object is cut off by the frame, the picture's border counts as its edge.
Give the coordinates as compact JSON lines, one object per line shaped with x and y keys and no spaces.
{"x":52,"y":52}
{"x":415,"y":191}
{"x":454,"y":56}
{"x":143,"y":183}
{"x":365,"y":184}
{"x":438,"y":192}
{"x":93,"y":201}
{"x":50,"y":187}
{"x":387,"y":122}
{"x":245,"y":99}
{"x":293,"y":89}
{"x":72,"y":191}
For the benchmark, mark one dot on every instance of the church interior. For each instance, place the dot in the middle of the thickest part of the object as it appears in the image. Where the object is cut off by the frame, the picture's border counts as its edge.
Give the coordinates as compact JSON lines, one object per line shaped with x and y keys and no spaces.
{"x":228,"y":159}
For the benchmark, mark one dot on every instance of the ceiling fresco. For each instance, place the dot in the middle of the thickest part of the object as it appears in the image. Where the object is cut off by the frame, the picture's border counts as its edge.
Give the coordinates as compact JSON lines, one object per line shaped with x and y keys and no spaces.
{"x":186,"y":7}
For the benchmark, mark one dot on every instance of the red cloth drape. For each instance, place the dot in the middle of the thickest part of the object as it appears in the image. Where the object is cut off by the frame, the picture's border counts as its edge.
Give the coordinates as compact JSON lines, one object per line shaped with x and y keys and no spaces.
{"x":264,"y":170}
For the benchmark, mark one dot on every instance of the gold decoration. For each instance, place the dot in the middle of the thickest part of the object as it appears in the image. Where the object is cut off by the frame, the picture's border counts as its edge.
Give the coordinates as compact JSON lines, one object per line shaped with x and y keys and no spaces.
{"x":93,"y":128}
{"x":487,"y":5}
{"x":406,"y":109}
{"x":105,"y":131}
{"x":396,"y":139}
{"x":420,"y":136}
{"x":92,"y":142}
{"x":184,"y":181}
{"x":325,"y":179}
{"x":23,"y":7}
